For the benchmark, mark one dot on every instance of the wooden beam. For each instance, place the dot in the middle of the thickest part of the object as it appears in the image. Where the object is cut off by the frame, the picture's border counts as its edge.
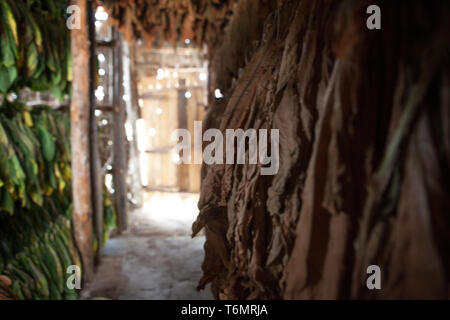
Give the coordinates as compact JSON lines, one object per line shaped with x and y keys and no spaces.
{"x":79,"y":120}
{"x":133,"y":113}
{"x":119,"y":162}
{"x":182,"y":169}
{"x":96,"y":170}
{"x":134,"y":81}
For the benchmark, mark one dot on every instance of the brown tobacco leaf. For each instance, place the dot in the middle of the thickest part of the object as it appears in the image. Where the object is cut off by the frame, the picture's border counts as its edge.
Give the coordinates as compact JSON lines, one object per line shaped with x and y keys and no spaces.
{"x":364,"y":126}
{"x":174,"y":20}
{"x":416,"y":270}
{"x":320,"y":223}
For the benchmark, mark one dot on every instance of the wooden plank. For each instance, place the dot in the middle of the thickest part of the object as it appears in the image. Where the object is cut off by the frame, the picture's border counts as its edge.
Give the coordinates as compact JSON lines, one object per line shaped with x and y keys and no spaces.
{"x":182,"y":169}
{"x":134,"y":81}
{"x":96,"y":170}
{"x":79,"y":119}
{"x":119,"y":161}
{"x":133,"y":113}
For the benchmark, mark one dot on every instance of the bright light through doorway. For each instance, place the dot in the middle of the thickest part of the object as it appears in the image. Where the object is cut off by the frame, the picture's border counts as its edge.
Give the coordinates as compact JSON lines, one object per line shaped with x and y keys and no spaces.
{"x":168,"y":212}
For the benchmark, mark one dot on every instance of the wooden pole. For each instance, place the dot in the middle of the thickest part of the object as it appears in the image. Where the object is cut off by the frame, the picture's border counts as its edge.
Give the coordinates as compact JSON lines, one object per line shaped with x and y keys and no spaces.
{"x":96,"y":172}
{"x":182,"y":169}
{"x":79,"y":120}
{"x":134,"y":81}
{"x":133,"y":113}
{"x":119,"y":163}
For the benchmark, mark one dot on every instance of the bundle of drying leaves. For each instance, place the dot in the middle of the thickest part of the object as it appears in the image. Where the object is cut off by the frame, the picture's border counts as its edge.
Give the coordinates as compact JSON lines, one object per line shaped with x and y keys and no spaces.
{"x":34,"y":46}
{"x":202,"y":21}
{"x":36,"y":244}
{"x":35,"y":203}
{"x":34,"y":164}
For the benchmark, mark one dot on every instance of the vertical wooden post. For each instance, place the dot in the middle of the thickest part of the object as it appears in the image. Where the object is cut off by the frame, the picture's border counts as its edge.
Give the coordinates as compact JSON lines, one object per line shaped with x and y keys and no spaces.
{"x":134,"y":81}
{"x":133,"y":113}
{"x":79,"y":120}
{"x":183,"y":169}
{"x":96,"y":173}
{"x":119,"y":170}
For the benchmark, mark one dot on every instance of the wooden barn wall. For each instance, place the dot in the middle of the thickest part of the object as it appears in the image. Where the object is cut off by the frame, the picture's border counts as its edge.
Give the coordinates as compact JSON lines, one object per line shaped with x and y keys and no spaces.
{"x":175,"y":111}
{"x":364,"y":124}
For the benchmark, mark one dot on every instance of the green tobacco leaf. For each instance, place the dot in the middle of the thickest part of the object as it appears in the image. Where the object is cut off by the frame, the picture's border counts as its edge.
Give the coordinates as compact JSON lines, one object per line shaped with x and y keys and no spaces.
{"x":9,"y":19}
{"x":8,"y":57}
{"x":32,"y":59}
{"x":7,"y":77}
{"x":4,"y":79}
{"x":6,"y":202}
{"x":48,"y":147}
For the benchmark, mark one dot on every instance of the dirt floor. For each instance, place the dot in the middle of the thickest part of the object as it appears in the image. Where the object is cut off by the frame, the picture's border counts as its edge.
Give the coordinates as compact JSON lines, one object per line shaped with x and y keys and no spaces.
{"x":156,"y":258}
